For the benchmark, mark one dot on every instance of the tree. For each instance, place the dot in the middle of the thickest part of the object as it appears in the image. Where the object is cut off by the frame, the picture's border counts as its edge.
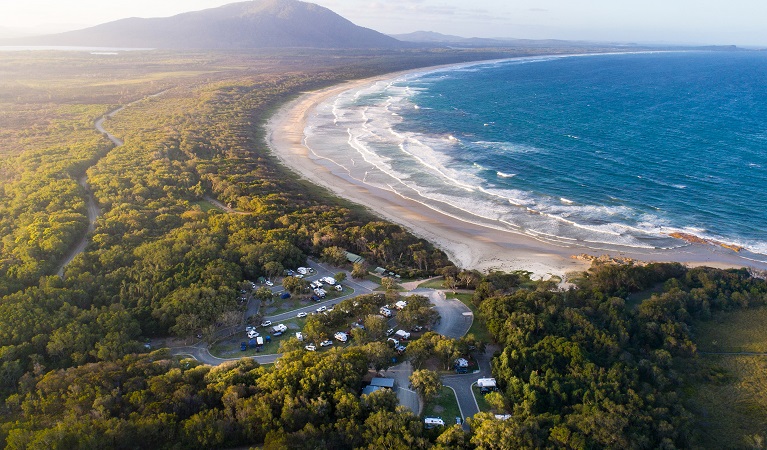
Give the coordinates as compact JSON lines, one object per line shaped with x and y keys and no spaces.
{"x":263,"y":294}
{"x":334,"y":255}
{"x":272,"y":269}
{"x":388,"y":283}
{"x":359,"y":271}
{"x":379,"y":355}
{"x":294,"y":285}
{"x":340,"y":276}
{"x":427,"y":383}
{"x":419,"y":311}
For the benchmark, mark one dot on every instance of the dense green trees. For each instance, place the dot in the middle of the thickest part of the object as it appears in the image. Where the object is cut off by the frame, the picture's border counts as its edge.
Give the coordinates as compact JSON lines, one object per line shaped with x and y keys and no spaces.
{"x":154,"y":401}
{"x":581,"y":370}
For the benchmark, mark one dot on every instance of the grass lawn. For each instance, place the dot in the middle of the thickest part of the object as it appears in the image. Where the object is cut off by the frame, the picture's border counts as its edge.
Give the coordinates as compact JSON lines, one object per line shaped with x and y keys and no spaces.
{"x":204,"y":205}
{"x":729,"y":400}
{"x":637,"y":298}
{"x":733,"y":331}
{"x":478,"y":328}
{"x":229,"y":347}
{"x":728,"y":393}
{"x":483,"y":405}
{"x":443,"y":405}
{"x":435,"y":283}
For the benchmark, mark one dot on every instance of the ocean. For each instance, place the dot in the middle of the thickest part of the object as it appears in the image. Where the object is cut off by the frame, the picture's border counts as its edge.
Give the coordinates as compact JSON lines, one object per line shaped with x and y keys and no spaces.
{"x":612,"y":152}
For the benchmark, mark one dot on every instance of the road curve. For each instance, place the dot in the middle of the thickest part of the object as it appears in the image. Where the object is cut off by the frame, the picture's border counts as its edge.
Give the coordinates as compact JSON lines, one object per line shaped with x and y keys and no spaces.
{"x":93,"y":209}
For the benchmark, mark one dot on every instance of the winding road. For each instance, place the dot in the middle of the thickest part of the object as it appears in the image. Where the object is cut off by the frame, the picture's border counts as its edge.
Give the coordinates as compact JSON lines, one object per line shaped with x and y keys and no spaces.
{"x":93,"y":209}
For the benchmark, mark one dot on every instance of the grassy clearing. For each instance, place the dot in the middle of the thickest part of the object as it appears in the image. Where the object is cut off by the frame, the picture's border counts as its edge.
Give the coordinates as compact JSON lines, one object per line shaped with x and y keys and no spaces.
{"x":729,"y":400}
{"x":733,"y":331}
{"x":637,"y":298}
{"x":728,"y":393}
{"x":481,"y":402}
{"x":205,"y":206}
{"x":443,"y":405}
{"x":435,"y":283}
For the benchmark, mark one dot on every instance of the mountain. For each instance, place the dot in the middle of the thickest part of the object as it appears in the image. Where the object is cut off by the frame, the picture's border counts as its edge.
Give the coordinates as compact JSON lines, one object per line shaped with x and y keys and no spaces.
{"x":433,"y":39}
{"x":251,"y":24}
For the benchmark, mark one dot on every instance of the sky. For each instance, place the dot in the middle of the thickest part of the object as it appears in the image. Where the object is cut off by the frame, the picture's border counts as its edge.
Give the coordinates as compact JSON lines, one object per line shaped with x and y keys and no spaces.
{"x":739,"y":22}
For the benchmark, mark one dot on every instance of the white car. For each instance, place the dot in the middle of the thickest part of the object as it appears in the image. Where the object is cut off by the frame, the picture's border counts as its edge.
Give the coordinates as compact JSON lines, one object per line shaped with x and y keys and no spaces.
{"x":311,"y":347}
{"x":299,"y":276}
{"x":301,"y":314}
{"x":252,"y":334}
{"x":269,"y":283}
{"x":300,"y":336}
{"x":322,"y":309}
{"x":339,"y":288}
{"x":341,"y":336}
{"x":326,"y":343}
{"x":266,"y":323}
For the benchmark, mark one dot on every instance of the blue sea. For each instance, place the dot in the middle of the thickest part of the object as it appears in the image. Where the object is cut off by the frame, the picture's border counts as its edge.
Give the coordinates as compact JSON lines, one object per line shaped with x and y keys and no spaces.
{"x":610,"y":152}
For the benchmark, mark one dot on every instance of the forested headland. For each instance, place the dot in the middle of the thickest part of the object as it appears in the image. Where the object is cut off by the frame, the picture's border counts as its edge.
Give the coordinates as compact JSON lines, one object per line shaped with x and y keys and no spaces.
{"x":577,"y":369}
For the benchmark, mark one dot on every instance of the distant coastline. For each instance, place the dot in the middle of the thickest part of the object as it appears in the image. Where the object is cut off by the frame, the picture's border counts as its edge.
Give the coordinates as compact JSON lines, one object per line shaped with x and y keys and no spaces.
{"x":469,"y":245}
{"x":65,"y":48}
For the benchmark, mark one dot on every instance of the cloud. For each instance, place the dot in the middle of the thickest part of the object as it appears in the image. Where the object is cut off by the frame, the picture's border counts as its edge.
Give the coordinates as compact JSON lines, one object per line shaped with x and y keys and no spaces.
{"x":538,"y":10}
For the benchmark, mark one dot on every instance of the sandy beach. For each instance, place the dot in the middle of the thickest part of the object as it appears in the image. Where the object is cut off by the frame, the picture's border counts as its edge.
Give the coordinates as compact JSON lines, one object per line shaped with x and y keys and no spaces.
{"x":468,"y":245}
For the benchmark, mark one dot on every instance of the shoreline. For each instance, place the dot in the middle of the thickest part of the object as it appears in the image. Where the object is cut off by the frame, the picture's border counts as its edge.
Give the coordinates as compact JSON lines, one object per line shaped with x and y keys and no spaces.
{"x":468,"y":245}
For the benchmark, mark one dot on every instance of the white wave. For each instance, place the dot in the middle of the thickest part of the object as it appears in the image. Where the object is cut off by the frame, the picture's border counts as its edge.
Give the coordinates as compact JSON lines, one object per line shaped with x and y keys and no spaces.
{"x":506,"y":175}
{"x":507,"y":147}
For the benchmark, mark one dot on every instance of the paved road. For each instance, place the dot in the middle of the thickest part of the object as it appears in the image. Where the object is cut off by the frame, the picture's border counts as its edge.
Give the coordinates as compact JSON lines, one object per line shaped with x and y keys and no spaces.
{"x":200,"y":353}
{"x":455,"y":317}
{"x":407,"y":397}
{"x":462,"y":383}
{"x":320,"y":271}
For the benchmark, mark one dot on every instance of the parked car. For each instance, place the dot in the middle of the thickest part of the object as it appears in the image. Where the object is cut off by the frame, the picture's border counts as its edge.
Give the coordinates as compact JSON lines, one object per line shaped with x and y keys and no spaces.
{"x":417,"y":328}
{"x":285,"y":295}
{"x":431,"y":422}
{"x":403,"y":334}
{"x":243,"y":346}
{"x":315,"y":298}
{"x":386,"y":312}
{"x":298,"y":275}
{"x":339,"y":288}
{"x":400,"y":348}
{"x":341,"y":336}
{"x":326,"y":343}
{"x":390,"y":331}
{"x":269,"y":283}
{"x":322,"y":309}
{"x":301,"y":314}
{"x":300,"y":336}
{"x":266,"y":323}
{"x":311,"y":347}
{"x":393,"y":341}
{"x":252,"y":334}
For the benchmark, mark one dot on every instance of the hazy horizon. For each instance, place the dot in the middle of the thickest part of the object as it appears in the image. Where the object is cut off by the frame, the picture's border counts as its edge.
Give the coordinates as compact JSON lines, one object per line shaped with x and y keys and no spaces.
{"x":705,"y":22}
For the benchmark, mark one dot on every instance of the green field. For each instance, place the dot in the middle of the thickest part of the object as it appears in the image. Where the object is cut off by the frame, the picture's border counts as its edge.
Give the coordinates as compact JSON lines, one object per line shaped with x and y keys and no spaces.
{"x":443,"y":405}
{"x":733,"y":331}
{"x":481,"y":402}
{"x":435,"y":283}
{"x":728,"y":393}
